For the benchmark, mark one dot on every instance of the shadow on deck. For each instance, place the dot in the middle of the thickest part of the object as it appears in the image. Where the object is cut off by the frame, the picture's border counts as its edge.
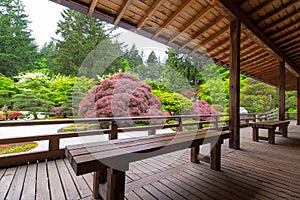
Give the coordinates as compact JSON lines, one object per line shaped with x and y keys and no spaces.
{"x":258,"y":171}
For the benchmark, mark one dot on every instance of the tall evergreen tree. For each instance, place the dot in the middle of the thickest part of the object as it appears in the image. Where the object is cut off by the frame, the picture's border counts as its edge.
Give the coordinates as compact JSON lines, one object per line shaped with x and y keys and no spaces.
{"x":80,"y":36}
{"x":18,"y":50}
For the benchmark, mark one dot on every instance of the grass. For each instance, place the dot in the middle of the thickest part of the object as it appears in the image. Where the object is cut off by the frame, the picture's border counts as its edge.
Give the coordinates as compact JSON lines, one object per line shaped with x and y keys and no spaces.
{"x":17,"y":148}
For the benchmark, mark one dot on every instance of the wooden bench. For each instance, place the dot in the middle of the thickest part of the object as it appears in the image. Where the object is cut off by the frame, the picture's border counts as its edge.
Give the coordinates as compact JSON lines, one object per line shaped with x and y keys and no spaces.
{"x":109,"y":160}
{"x":271,"y":126}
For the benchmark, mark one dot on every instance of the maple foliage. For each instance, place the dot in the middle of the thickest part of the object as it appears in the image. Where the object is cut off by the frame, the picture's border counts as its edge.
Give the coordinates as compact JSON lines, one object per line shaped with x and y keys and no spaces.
{"x":122,"y":95}
{"x":201,"y":107}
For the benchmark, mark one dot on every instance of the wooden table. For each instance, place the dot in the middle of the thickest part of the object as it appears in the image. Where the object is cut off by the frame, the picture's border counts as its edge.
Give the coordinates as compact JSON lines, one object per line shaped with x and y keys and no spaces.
{"x":271,"y":125}
{"x":109,"y":160}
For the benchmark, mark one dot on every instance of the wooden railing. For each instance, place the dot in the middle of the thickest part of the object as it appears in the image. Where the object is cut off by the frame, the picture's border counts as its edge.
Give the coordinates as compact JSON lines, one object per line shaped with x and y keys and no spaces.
{"x":54,"y":151}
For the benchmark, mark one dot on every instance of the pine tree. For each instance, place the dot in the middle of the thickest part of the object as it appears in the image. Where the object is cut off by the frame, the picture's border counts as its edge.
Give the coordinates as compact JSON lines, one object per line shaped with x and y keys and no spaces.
{"x":81,"y":35}
{"x":18,"y":51}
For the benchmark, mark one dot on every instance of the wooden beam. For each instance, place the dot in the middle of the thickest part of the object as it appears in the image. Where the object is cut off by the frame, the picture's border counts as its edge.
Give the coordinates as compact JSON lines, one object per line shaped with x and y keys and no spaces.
{"x":190,"y":24}
{"x":280,"y":37}
{"x":200,"y":32}
{"x":263,"y":18}
{"x":92,"y":7}
{"x":210,"y":39}
{"x":278,"y":30}
{"x":153,"y":8}
{"x":281,"y":19}
{"x":290,"y":41}
{"x":281,"y":91}
{"x":298,"y":101}
{"x":255,"y":59}
{"x":122,"y":11}
{"x":171,"y":18}
{"x":254,"y":32}
{"x":234,"y":98}
{"x":258,"y":7}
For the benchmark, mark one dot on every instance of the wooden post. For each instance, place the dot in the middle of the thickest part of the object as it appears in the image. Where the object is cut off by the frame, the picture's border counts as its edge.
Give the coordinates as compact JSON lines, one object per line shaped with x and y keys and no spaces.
{"x":179,"y":128}
{"x":215,"y":156}
{"x":234,"y":98}
{"x":194,"y":154}
{"x":298,"y":101}
{"x":115,"y":184}
{"x":114,"y":130}
{"x":281,"y":91}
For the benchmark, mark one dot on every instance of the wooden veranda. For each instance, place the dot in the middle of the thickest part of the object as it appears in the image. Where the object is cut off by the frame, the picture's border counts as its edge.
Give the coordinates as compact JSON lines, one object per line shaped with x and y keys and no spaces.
{"x":259,"y":171}
{"x":259,"y":38}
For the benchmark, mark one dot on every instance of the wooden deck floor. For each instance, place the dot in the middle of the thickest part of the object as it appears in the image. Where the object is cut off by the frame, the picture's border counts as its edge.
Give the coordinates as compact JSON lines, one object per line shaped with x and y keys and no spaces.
{"x":258,"y":171}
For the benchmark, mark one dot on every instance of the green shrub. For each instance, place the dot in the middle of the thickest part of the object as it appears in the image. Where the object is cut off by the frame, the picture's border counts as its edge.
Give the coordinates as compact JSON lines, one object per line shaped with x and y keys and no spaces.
{"x":218,"y":108}
{"x":174,"y":102}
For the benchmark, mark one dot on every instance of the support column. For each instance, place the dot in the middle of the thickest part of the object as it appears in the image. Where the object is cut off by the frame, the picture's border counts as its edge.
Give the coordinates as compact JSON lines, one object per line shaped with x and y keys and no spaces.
{"x":298,"y":101}
{"x":234,"y":98}
{"x":281,"y":115}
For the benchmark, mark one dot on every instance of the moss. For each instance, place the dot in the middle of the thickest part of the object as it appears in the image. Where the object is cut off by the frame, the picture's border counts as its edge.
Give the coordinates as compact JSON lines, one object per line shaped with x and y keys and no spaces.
{"x":17,"y":148}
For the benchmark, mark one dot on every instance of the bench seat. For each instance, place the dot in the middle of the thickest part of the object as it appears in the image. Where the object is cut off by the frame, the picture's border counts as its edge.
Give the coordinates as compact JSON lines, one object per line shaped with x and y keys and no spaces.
{"x":109,"y":160}
{"x":271,"y":125}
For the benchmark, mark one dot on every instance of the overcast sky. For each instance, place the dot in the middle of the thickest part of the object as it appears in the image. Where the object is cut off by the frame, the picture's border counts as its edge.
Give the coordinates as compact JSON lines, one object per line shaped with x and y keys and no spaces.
{"x":45,"y":14}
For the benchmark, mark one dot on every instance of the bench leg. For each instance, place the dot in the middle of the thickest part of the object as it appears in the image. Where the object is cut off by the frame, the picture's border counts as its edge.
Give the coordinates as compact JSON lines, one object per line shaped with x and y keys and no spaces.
{"x":255,"y":134}
{"x":194,"y":154}
{"x":115,"y":184}
{"x":96,"y":183}
{"x":215,"y":156}
{"x":283,"y":130}
{"x":271,"y":136}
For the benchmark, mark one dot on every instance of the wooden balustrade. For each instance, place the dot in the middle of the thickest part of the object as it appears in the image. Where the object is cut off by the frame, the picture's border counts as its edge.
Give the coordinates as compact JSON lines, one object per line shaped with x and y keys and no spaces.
{"x":54,"y":150}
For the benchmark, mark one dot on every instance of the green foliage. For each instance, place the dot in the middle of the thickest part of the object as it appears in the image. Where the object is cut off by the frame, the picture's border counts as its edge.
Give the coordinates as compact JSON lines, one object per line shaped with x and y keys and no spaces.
{"x":7,"y":89}
{"x":174,"y":102}
{"x":80,"y":35}
{"x":18,"y":52}
{"x":156,"y":85}
{"x":151,"y":70}
{"x":290,"y":100}
{"x":29,"y":101}
{"x":134,"y":58}
{"x":17,"y":148}
{"x":258,"y":97}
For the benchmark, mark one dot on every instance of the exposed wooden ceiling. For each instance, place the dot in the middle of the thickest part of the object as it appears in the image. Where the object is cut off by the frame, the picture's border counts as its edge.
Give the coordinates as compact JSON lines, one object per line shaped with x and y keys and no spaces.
{"x":270,"y":29}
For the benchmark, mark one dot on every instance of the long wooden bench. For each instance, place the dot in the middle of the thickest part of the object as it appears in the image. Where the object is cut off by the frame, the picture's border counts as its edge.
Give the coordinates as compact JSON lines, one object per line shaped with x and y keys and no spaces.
{"x":271,"y":125}
{"x":109,"y":160}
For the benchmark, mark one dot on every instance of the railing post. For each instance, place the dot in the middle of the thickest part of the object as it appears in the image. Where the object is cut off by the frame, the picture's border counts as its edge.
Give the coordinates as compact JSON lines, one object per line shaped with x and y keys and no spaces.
{"x":152,"y":132}
{"x":179,"y":127}
{"x":215,"y":121}
{"x":53,"y":144}
{"x":254,"y":117}
{"x":114,"y":130}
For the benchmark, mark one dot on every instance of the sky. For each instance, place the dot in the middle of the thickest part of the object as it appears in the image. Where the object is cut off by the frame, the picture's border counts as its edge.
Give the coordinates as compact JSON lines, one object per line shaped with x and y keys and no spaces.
{"x":43,"y":25}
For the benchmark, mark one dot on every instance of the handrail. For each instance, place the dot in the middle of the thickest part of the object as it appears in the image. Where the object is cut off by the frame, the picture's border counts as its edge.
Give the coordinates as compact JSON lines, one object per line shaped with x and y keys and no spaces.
{"x":217,"y":121}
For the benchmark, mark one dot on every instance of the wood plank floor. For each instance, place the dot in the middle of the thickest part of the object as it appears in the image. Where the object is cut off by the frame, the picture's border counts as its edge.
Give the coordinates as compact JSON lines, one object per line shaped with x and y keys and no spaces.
{"x":258,"y":171}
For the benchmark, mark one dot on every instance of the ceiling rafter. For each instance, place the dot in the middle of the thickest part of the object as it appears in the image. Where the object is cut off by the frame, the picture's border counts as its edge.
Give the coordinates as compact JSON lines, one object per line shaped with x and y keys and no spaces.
{"x":200,"y":33}
{"x":263,"y":69}
{"x":225,"y":48}
{"x":271,"y":66}
{"x":283,"y":27}
{"x":254,"y":32}
{"x":122,"y":11}
{"x":293,"y":40}
{"x":245,"y":50}
{"x":256,"y":59}
{"x":280,"y":20}
{"x":92,"y":7}
{"x":294,"y":50}
{"x":292,"y":46}
{"x":279,"y":9}
{"x":190,"y":24}
{"x":211,"y":39}
{"x":286,"y":34}
{"x":258,"y":7}
{"x":149,"y":13}
{"x":171,"y":18}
